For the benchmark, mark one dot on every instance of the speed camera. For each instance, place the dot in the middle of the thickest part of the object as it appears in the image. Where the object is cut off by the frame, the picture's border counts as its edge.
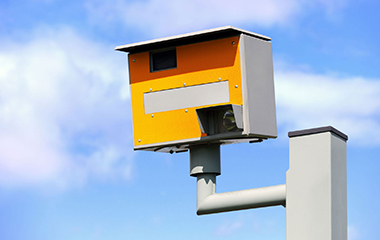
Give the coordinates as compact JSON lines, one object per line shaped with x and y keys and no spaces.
{"x":213,"y":86}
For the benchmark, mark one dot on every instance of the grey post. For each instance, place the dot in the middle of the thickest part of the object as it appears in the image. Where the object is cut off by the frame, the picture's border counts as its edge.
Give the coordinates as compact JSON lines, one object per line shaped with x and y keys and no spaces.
{"x":316,"y":191}
{"x":205,"y":165}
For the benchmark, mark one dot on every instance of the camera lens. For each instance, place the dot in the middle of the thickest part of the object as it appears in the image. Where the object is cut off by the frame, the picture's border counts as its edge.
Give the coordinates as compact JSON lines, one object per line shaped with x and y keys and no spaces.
{"x":229,"y":122}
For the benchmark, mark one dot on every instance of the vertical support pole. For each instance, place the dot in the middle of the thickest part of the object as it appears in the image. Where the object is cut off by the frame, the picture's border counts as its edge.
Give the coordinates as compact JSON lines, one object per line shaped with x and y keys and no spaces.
{"x":204,"y":159}
{"x":316,"y":185}
{"x":205,"y":165}
{"x":206,"y":185}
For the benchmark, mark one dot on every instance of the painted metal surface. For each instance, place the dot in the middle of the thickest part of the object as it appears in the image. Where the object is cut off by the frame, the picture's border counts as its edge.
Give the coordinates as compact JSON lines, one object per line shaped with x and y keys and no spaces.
{"x":205,"y":159}
{"x":315,"y":193}
{"x":205,"y":165}
{"x":259,"y":106}
{"x":316,"y":196}
{"x":197,"y":64}
{"x":183,"y":39}
{"x":164,"y":102}
{"x":210,"y":202}
{"x":186,"y":97}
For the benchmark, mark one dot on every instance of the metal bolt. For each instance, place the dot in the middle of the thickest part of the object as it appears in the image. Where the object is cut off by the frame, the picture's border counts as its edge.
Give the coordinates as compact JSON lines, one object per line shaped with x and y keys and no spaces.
{"x":233,"y":43}
{"x":139,"y":140}
{"x":184,"y":84}
{"x":134,"y":60}
{"x":186,"y":110}
{"x":236,"y":86}
{"x":152,"y":115}
{"x":219,"y":79}
{"x":150,"y":89}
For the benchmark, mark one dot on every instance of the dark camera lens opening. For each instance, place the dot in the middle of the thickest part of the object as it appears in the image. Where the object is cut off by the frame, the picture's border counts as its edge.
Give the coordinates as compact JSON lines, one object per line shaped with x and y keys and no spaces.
{"x":229,"y":122}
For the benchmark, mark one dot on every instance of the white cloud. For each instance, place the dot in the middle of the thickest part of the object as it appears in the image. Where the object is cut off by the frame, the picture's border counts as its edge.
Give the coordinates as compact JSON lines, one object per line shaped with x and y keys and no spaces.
{"x":353,"y":232}
{"x":351,"y":104}
{"x":332,"y":6}
{"x":228,"y":228}
{"x":166,"y":17}
{"x":63,"y":110}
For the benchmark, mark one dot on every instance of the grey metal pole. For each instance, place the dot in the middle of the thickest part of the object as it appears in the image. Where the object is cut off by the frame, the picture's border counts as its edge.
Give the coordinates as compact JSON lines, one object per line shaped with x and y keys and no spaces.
{"x":206,"y":185}
{"x":316,"y":196}
{"x":240,"y":200}
{"x":205,"y":165}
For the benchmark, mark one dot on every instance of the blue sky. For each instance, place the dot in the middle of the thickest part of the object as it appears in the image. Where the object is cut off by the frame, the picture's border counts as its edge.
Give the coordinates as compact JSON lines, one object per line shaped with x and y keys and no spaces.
{"x":67,"y":168}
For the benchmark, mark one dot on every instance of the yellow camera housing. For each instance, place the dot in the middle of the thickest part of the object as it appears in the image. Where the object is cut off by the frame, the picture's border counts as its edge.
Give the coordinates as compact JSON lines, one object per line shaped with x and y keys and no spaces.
{"x":203,"y":87}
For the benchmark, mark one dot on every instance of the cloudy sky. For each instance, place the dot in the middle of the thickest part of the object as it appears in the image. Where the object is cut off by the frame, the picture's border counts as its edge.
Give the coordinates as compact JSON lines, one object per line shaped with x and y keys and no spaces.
{"x":67,"y":165}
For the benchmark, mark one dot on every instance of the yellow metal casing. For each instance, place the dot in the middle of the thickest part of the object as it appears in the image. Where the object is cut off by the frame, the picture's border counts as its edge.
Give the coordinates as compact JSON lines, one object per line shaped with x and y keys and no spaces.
{"x":202,"y":64}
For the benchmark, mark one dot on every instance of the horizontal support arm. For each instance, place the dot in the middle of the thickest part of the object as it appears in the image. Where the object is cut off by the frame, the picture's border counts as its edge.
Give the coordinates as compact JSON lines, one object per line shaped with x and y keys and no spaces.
{"x":210,"y":202}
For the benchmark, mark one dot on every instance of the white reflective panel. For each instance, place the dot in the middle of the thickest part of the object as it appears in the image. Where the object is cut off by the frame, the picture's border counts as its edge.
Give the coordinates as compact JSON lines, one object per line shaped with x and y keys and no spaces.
{"x":186,"y":97}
